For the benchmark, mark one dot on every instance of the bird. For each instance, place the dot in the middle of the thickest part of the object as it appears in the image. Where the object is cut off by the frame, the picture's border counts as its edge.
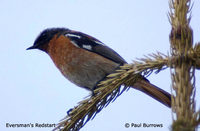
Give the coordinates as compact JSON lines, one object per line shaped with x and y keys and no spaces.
{"x":85,"y":61}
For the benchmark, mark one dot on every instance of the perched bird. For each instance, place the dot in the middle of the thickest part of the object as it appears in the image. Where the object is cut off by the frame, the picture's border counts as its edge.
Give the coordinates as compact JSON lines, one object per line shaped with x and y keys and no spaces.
{"x":85,"y":61}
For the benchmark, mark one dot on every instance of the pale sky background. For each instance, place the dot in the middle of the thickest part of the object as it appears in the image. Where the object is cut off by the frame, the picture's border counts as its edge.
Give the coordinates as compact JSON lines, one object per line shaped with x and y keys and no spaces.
{"x":34,"y":91}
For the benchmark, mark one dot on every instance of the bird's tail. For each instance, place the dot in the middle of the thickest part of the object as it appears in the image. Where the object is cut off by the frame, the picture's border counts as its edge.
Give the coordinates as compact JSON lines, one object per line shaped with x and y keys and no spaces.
{"x":154,"y":91}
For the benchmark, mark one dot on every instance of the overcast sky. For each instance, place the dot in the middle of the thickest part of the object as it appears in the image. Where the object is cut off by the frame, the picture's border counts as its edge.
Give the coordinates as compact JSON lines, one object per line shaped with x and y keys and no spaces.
{"x":34,"y":91}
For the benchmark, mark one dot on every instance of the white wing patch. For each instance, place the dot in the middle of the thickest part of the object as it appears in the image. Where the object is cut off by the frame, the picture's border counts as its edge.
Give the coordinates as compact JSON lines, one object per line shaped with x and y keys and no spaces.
{"x":74,"y":43}
{"x":85,"y":38}
{"x":88,"y":47}
{"x":100,"y":43}
{"x":73,"y":35}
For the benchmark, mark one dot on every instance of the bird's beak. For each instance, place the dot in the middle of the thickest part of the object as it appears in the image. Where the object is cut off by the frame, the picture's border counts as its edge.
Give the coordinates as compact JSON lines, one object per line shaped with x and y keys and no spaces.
{"x":32,"y":47}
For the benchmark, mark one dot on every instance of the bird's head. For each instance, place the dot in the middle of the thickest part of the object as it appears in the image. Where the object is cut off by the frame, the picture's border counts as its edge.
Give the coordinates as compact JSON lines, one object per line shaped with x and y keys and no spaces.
{"x":45,"y":37}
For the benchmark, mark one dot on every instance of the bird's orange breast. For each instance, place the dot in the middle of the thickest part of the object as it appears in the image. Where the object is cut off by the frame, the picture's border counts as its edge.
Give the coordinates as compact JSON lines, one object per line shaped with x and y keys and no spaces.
{"x":82,"y":67}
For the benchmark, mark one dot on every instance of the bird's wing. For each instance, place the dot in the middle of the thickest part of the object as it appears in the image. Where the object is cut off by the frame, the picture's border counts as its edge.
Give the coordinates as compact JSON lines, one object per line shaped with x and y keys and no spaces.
{"x":90,"y":43}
